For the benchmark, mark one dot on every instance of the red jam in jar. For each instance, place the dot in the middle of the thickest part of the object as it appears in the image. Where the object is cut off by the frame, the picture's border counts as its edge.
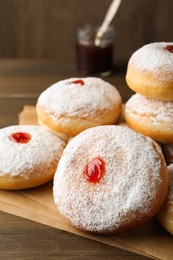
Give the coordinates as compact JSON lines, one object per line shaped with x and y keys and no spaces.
{"x":90,"y":57}
{"x":20,"y":137}
{"x":94,"y":170}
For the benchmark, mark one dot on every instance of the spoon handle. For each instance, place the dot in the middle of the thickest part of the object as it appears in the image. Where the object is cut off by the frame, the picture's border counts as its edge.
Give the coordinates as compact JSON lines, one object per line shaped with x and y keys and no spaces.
{"x":113,"y":8}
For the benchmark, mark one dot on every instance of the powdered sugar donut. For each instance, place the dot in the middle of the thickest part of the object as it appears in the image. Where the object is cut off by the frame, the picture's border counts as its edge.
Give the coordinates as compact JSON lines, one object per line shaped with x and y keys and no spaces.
{"x":110,"y":179}
{"x":73,"y":105}
{"x":165,"y":215}
{"x":150,"y":71}
{"x":150,"y":117}
{"x":28,"y":156}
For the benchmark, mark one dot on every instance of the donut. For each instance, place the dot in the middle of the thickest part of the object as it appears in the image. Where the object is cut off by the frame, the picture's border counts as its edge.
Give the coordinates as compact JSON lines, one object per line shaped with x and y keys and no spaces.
{"x":150,"y":71}
{"x":165,"y":215}
{"x":29,"y":156}
{"x":110,"y":179}
{"x":73,"y":105}
{"x":150,"y":117}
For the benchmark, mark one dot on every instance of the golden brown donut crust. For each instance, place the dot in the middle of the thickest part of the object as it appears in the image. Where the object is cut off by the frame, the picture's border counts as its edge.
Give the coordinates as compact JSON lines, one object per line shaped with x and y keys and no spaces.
{"x":145,"y":83}
{"x":72,"y":126}
{"x":18,"y":182}
{"x":150,"y":117}
{"x":143,"y":125}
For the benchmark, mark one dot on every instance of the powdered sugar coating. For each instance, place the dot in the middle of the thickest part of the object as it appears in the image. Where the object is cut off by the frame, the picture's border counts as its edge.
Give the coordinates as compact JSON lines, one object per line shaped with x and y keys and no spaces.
{"x":159,"y":111}
{"x":22,"y":159}
{"x":68,"y":98}
{"x":156,"y":59}
{"x":126,"y":190}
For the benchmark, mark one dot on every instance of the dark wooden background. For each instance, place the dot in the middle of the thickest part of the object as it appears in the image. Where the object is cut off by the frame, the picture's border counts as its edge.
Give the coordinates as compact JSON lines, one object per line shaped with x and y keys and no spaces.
{"x":46,"y":28}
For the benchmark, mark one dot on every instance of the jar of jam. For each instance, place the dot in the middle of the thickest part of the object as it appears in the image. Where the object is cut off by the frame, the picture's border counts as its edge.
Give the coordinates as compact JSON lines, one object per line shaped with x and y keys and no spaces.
{"x":92,"y":58}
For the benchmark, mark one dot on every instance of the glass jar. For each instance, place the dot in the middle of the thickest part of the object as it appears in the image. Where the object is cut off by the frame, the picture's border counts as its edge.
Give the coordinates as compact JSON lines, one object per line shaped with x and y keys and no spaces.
{"x":90,"y":57}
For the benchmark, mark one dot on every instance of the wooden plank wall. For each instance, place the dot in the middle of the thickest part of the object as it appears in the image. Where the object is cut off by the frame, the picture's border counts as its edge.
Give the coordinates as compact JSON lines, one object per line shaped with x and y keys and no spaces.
{"x":46,"y":28}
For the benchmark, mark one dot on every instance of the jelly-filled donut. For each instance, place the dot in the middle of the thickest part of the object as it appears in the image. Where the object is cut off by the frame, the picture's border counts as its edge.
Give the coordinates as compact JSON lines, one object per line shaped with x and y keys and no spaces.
{"x":110,"y":179}
{"x":165,"y":215}
{"x":150,"y":117}
{"x":29,"y":156}
{"x":73,"y":105}
{"x":150,"y":71}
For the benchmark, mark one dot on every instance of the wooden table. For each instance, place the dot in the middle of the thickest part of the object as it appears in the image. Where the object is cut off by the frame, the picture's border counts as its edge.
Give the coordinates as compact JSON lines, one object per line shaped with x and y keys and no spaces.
{"x":21,"y":81}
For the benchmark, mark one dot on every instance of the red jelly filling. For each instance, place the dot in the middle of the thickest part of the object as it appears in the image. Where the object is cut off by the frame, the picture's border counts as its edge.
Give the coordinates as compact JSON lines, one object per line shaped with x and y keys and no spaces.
{"x":94,"y":170}
{"x":20,"y":137}
{"x":169,"y":48}
{"x":78,"y":81}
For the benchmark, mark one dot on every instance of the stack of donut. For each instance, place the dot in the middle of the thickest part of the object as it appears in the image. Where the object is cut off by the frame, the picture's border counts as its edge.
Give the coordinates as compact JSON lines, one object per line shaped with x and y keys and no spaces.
{"x":150,"y":110}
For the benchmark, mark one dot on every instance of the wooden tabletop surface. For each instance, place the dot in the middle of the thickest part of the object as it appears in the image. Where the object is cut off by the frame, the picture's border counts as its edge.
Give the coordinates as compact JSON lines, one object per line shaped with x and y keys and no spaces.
{"x":21,"y":81}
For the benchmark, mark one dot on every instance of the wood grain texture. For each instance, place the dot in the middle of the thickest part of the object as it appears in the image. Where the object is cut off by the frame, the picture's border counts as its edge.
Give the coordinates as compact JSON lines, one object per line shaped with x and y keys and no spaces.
{"x":27,"y":78}
{"x":24,"y":239}
{"x":46,"y":28}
